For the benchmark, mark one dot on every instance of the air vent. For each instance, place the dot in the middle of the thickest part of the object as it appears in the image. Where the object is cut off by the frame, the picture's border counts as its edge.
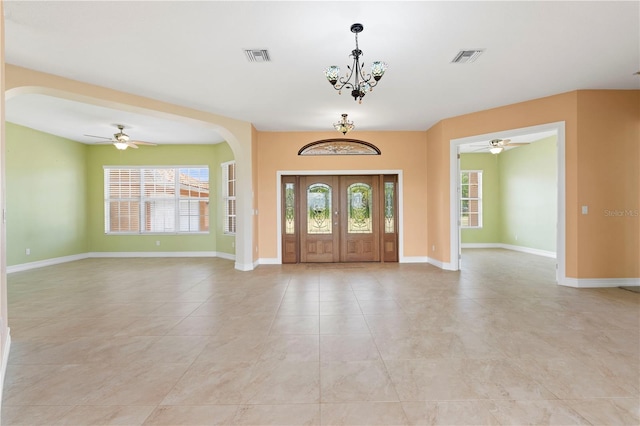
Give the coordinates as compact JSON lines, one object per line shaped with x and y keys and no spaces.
{"x":465,"y":56}
{"x":257,"y":55}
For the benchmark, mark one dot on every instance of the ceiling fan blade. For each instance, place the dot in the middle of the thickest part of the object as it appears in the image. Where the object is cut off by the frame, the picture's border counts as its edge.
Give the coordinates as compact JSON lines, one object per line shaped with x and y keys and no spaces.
{"x":132,"y":145}
{"x":143,"y":143}
{"x":519,"y":143}
{"x":99,"y":137}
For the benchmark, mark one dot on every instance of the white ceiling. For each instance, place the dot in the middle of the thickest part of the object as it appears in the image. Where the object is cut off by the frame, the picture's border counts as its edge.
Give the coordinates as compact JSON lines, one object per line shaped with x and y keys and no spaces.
{"x":192,"y":54}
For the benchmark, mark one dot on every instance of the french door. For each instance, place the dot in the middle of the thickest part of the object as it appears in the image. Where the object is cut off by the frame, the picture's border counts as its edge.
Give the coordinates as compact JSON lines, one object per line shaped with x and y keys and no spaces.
{"x":339,"y":219}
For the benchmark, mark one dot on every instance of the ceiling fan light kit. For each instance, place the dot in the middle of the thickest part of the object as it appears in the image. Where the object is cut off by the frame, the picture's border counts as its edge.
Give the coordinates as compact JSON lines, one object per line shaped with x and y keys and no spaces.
{"x":362,"y":83}
{"x":121,"y":140}
{"x":496,"y":146}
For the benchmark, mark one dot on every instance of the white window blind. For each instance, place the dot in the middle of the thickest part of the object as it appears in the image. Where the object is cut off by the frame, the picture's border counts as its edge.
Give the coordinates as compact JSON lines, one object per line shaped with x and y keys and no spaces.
{"x":156,"y":199}
{"x":229,"y":196}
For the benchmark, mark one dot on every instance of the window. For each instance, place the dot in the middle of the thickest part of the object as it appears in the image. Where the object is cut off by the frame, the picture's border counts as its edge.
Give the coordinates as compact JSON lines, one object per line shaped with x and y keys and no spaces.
{"x":471,"y":199}
{"x":229,"y":196}
{"x":152,"y":200}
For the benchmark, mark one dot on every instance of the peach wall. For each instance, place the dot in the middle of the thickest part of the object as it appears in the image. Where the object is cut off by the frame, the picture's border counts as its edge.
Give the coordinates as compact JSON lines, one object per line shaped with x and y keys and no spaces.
{"x":406,"y":151}
{"x":609,"y":183}
{"x":587,"y":116}
{"x":536,"y":112}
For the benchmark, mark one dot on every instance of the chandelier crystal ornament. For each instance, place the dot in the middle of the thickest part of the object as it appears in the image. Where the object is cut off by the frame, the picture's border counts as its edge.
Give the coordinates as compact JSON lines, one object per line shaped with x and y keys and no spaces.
{"x":362,"y":83}
{"x":344,"y":126}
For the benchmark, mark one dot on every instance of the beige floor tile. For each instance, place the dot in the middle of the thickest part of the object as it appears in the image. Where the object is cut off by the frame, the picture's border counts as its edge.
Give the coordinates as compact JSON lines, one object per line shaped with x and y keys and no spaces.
{"x":33,"y":415}
{"x":344,"y":295}
{"x":106,"y":415}
{"x":348,"y":348}
{"x":503,"y":379}
{"x":174,"y":350}
{"x":363,"y":414}
{"x":540,"y":412}
{"x":297,"y":348}
{"x":296,"y":324}
{"x":197,"y":326}
{"x":398,"y":324}
{"x":608,"y":411}
{"x":452,"y":413}
{"x":356,"y":381}
{"x":192,"y":415}
{"x":136,"y":384}
{"x":278,"y":415}
{"x":578,"y":378}
{"x":279,"y":382}
{"x":340,"y":307}
{"x":299,"y":308}
{"x":222,"y":349}
{"x":432,"y":380}
{"x":105,"y":341}
{"x":210,"y":383}
{"x":380,"y":307}
{"x":343,"y":324}
{"x":418,"y":346}
{"x":150,"y":326}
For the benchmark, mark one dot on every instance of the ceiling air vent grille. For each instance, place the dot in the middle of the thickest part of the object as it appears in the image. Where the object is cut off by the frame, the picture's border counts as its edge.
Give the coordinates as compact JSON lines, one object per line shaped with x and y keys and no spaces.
{"x":465,"y":56}
{"x":257,"y":55}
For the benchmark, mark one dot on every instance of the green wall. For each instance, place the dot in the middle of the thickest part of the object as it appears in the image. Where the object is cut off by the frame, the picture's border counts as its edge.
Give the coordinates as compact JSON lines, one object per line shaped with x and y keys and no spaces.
{"x":55,"y":196}
{"x":519,"y":196}
{"x":46,"y":195}
{"x":169,"y":155}
{"x":528,"y":188}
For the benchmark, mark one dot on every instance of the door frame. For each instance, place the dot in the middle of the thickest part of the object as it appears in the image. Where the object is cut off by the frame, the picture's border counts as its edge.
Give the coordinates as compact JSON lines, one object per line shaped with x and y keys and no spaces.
{"x":454,"y":178}
{"x":280,"y":173}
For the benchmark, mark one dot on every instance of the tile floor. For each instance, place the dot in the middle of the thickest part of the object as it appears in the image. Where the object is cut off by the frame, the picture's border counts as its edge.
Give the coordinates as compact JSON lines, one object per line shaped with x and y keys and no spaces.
{"x":194,"y":342}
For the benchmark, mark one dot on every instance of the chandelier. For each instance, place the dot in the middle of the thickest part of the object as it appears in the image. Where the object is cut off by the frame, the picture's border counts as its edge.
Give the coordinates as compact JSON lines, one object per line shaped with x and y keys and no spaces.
{"x":344,"y":126}
{"x":362,"y":83}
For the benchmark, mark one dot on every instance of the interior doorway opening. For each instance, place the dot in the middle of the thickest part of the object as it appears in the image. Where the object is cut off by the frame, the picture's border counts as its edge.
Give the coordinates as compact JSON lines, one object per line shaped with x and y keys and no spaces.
{"x":556,"y":129}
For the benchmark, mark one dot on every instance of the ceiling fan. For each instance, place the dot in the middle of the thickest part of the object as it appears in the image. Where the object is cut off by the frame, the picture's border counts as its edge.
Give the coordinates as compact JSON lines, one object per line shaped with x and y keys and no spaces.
{"x":496,"y":146}
{"x":121,"y":140}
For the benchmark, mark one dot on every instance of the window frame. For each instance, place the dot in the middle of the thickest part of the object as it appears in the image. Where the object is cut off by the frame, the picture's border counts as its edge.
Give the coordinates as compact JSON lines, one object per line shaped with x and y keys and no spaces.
{"x":142,"y":199}
{"x":229,"y":185}
{"x":478,"y":199}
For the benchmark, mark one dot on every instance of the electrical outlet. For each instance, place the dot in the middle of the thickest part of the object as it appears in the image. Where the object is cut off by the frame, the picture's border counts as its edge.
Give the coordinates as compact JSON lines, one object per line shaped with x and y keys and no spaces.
{"x":27,"y":252}
{"x":433,"y":248}
{"x":157,"y":243}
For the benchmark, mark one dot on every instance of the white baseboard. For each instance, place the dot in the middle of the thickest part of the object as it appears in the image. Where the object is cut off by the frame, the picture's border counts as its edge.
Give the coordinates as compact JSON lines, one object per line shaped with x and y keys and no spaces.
{"x":64,"y":259}
{"x":481,"y":245}
{"x":46,"y":262}
{"x":244,"y":266}
{"x":269,"y":261}
{"x":600,"y":282}
{"x":538,"y":252}
{"x":414,"y":259}
{"x":227,"y":256}
{"x":447,"y":266}
{"x":102,"y":254}
{"x":5,"y":360}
